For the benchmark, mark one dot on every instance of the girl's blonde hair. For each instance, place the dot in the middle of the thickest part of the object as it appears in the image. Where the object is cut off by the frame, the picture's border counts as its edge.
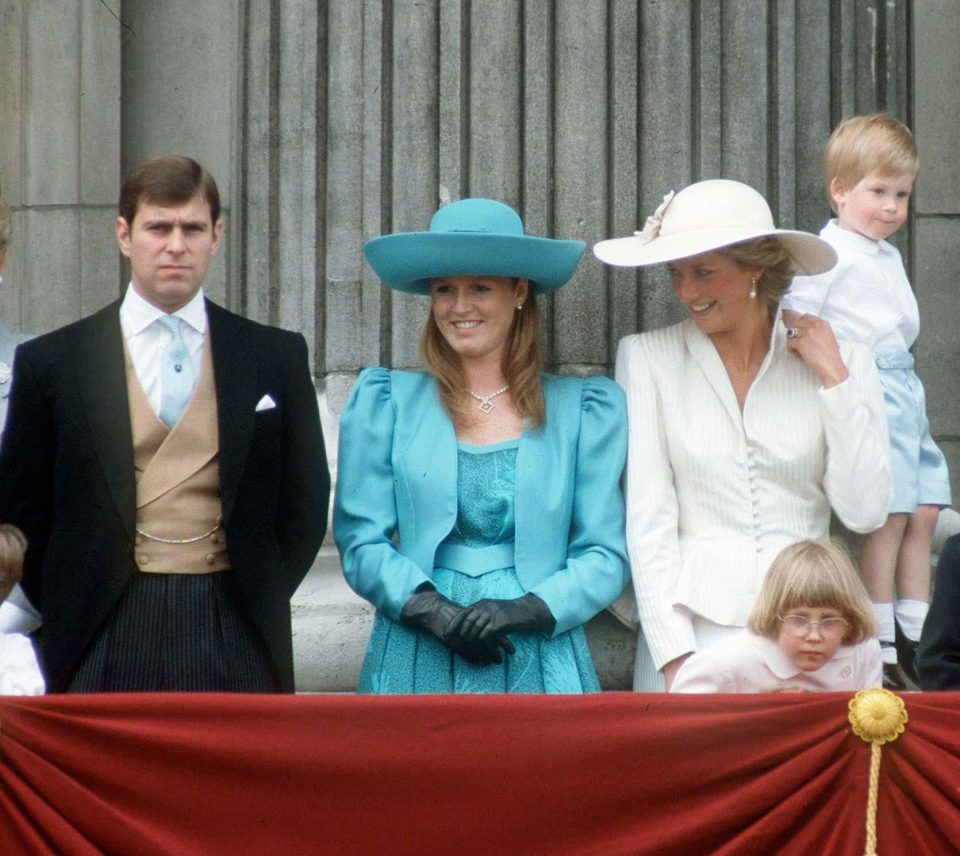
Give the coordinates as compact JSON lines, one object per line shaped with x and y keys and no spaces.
{"x":813,"y":574}
{"x":862,"y":145}
{"x":522,"y":366}
{"x":13,"y":545}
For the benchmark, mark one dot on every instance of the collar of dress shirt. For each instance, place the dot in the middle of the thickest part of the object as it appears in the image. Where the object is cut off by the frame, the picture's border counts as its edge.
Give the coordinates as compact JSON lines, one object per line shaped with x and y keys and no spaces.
{"x":852,"y":240}
{"x":136,"y":314}
{"x":782,"y":666}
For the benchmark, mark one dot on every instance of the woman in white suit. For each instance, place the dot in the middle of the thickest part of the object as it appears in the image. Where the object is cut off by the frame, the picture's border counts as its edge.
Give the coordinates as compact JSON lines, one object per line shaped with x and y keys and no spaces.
{"x":747,"y":424}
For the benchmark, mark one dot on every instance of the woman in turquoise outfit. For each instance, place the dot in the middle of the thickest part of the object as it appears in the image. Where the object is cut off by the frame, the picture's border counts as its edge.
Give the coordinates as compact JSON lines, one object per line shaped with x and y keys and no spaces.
{"x":478,"y":503}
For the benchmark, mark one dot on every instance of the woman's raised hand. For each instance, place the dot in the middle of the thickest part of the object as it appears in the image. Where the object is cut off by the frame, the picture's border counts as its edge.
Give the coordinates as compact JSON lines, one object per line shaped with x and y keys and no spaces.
{"x":811,"y":338}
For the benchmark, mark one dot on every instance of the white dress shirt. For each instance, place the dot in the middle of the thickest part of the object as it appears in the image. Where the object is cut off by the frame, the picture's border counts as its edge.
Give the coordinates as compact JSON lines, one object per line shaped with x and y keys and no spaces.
{"x":866,"y":298}
{"x":714,"y":494}
{"x":147,"y":340}
{"x":19,"y":670}
{"x":747,"y":663}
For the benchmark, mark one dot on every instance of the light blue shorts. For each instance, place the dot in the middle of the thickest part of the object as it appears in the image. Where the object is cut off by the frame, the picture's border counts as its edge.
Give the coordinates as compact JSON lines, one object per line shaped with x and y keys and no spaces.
{"x":919,"y":468}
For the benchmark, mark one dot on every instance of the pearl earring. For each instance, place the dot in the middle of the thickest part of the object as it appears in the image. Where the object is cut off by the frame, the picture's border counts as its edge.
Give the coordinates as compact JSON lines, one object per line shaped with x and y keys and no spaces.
{"x":753,"y":288}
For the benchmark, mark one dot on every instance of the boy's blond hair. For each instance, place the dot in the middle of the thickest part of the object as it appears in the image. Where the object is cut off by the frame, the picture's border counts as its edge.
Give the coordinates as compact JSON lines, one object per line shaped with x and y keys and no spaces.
{"x":813,"y":574}
{"x":862,"y":145}
{"x":13,"y":544}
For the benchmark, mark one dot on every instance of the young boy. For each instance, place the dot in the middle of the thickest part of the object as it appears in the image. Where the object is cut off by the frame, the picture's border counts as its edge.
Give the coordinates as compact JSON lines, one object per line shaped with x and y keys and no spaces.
{"x":19,"y":672}
{"x":869,"y":167}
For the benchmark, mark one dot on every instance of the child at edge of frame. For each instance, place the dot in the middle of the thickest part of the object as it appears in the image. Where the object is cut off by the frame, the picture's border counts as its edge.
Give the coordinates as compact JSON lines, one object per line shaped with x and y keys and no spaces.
{"x":19,"y":671}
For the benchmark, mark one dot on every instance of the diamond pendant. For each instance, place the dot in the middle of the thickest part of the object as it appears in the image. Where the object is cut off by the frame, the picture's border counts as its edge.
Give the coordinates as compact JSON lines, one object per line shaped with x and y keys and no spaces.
{"x":486,"y":401}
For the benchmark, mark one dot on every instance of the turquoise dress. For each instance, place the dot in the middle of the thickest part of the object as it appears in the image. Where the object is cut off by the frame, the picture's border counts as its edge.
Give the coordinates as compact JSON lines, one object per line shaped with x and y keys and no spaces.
{"x":402,"y":659}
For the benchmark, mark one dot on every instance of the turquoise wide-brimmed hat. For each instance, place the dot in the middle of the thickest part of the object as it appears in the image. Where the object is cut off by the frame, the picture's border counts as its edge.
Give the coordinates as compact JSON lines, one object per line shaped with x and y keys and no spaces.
{"x":480,"y":237}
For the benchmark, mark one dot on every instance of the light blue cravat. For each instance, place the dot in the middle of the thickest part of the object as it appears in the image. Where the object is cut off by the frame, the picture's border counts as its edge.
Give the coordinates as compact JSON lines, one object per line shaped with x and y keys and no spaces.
{"x":176,"y":374}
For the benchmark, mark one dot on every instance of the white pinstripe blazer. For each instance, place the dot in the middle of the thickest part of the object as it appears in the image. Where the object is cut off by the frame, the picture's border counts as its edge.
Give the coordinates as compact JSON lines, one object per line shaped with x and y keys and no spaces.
{"x":714,"y":494}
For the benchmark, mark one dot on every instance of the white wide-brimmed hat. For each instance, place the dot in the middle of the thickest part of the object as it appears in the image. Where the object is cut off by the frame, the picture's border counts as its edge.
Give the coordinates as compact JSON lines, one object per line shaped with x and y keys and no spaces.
{"x":708,"y":216}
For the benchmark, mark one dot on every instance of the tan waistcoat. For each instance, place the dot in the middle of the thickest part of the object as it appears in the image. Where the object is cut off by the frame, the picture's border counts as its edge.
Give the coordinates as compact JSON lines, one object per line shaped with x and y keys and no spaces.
{"x":179,"y":514}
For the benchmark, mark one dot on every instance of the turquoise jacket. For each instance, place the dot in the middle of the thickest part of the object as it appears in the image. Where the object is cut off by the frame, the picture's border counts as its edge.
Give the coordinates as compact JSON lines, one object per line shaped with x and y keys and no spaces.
{"x":396,"y":495}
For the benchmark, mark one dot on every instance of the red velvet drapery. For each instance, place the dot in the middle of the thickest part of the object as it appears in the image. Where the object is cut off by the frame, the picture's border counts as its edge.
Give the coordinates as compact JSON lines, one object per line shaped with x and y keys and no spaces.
{"x":616,"y":773}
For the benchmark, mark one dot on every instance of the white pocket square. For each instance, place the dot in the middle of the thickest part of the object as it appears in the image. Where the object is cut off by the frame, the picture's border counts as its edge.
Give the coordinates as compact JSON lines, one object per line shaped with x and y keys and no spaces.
{"x":265,"y":403}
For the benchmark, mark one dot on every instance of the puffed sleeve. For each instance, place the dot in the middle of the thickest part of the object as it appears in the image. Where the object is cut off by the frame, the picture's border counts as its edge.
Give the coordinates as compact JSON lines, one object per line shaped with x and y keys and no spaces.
{"x":652,"y":510}
{"x":596,"y":569}
{"x":365,"y":507}
{"x":857,"y":479}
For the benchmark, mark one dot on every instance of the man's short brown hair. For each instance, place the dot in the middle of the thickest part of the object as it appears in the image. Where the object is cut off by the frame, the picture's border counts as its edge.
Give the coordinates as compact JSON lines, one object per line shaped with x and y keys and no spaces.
{"x":168,"y":179}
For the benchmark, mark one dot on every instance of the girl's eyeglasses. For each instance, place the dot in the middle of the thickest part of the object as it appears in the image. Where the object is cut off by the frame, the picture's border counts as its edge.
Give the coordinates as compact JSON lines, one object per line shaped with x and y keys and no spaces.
{"x":800,"y":626}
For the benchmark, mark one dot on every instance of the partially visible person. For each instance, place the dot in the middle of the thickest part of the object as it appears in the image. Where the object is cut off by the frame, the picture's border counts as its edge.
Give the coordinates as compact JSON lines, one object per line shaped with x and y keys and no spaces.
{"x":478,"y":504}
{"x":938,"y":653}
{"x":19,"y":670}
{"x":812,"y":629}
{"x":869,"y":168}
{"x":164,"y":459}
{"x":8,"y":338}
{"x":747,"y":424}
{"x":16,"y":613}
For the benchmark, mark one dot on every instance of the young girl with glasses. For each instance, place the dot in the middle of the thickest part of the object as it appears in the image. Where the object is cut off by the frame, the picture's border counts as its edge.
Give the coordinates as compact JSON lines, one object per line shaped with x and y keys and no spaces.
{"x":812,"y":628}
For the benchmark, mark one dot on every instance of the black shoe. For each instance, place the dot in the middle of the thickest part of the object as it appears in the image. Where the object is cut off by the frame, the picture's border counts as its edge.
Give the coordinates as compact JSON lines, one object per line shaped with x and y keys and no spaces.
{"x":894,"y":678}
{"x":906,"y":654}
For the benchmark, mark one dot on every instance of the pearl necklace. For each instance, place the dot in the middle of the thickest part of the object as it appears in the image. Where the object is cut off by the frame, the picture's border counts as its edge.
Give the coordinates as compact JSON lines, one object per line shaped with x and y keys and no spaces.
{"x":486,"y":401}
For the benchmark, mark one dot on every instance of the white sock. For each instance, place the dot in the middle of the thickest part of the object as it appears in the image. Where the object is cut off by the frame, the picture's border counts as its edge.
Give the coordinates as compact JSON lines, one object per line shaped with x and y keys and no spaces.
{"x":911,"y":615}
{"x":886,"y":631}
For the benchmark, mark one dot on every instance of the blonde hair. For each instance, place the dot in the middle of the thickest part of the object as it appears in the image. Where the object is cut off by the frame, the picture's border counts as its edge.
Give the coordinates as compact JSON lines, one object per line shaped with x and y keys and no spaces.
{"x":813,"y":574}
{"x":778,"y":267}
{"x":522,"y":366}
{"x":13,"y":545}
{"x":862,"y":145}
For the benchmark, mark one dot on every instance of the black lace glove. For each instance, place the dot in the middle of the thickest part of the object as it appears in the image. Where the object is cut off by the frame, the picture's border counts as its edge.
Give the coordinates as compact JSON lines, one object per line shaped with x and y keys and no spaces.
{"x":438,"y":615}
{"x":491,"y":619}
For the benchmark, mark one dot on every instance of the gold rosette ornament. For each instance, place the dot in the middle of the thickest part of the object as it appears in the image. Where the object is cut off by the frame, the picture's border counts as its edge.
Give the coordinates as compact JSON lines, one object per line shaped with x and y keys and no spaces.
{"x":878,"y":717}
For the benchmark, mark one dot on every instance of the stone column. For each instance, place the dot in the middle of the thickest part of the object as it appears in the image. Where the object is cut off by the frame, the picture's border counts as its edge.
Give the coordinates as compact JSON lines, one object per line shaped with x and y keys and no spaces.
{"x":59,"y":150}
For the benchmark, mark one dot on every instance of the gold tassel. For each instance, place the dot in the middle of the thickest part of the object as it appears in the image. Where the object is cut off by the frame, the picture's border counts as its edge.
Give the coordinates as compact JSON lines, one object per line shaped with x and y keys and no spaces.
{"x":877,"y":716}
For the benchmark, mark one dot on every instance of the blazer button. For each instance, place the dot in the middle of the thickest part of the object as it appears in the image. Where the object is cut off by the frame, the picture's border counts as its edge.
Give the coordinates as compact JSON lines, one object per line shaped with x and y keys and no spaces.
{"x":142,"y":559}
{"x":215,"y":538}
{"x":138,"y":540}
{"x":211,"y":558}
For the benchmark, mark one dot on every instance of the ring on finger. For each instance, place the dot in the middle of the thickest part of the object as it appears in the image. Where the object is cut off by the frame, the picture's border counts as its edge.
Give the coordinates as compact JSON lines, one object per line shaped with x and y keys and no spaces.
{"x":793,"y":332}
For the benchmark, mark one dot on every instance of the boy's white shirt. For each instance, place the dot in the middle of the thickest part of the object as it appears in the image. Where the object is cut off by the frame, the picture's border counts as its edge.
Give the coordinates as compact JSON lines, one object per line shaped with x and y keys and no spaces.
{"x":19,"y":671}
{"x":17,"y":614}
{"x":867,"y":297}
{"x":748,"y":663}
